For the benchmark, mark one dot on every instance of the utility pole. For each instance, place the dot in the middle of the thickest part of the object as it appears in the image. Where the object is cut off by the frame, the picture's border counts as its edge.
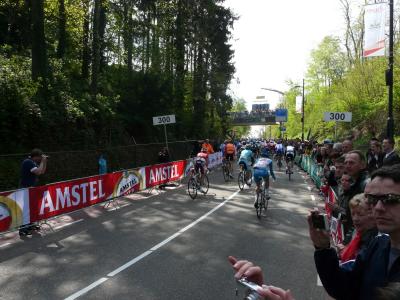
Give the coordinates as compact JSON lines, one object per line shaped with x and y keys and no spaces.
{"x":302,"y":115}
{"x":389,"y":76}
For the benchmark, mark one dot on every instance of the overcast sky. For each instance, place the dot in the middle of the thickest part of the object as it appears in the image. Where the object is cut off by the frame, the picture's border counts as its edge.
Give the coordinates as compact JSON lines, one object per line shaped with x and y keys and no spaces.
{"x":273,"y":40}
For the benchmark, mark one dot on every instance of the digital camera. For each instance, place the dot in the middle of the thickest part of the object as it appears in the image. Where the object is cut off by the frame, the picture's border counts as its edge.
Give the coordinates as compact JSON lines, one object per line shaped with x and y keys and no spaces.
{"x":320,"y":221}
{"x":247,"y":290}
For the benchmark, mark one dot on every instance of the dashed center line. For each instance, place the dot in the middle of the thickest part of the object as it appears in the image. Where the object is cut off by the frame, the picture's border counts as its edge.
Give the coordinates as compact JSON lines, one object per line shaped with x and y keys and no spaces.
{"x":146,"y":253}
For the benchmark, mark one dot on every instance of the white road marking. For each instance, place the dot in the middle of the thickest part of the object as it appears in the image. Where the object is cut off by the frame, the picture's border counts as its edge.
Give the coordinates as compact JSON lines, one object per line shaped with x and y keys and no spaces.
{"x":319,"y":283}
{"x":312,"y":197}
{"x":309,"y":188}
{"x":146,"y":253}
{"x":5,"y":245}
{"x":68,"y":224}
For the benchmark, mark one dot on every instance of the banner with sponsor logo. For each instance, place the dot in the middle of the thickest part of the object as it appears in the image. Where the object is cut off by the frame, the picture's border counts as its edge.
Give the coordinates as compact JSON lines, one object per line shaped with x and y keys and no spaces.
{"x":24,"y":206}
{"x":299,"y":102}
{"x":214,"y":160}
{"x":14,"y":209}
{"x":374,"y":22}
{"x":163,"y":173}
{"x":64,"y":197}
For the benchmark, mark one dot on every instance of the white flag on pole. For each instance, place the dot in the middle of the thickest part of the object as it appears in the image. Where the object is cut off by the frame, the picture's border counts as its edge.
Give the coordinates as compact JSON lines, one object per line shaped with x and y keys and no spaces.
{"x":299,"y":100}
{"x":374,"y":21}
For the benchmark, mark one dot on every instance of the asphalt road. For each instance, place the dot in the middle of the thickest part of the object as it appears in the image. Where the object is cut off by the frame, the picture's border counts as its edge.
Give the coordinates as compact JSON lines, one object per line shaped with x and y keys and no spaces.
{"x":165,"y":245}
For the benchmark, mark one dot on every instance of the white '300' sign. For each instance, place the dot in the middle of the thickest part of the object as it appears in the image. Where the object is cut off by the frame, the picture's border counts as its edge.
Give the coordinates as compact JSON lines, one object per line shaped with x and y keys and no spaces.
{"x":338,"y":116}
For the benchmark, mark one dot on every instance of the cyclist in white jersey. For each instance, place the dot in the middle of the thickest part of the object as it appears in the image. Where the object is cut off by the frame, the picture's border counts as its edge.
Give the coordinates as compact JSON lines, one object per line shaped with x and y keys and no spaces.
{"x":290,"y":153}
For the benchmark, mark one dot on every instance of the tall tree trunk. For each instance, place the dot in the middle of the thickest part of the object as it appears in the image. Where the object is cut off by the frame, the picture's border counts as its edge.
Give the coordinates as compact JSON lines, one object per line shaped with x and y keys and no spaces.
{"x":128,"y":34}
{"x":62,"y":33}
{"x":39,"y":57}
{"x":102,"y":30}
{"x":85,"y":41}
{"x":95,"y":47}
{"x":180,"y":58}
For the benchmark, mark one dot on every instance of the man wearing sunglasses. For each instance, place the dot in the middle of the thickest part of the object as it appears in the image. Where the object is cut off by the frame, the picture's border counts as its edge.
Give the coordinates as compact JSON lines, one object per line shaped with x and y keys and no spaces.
{"x":379,"y":264}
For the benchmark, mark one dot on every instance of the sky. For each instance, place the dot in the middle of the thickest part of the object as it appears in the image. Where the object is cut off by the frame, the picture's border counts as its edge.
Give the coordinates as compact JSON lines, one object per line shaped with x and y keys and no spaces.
{"x":273,"y":40}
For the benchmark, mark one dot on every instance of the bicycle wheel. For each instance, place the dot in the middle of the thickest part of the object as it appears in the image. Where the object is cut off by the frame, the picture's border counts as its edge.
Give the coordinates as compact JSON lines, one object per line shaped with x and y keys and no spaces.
{"x":266,"y":199}
{"x":192,"y":187}
{"x":241,"y":180}
{"x":225,"y":172}
{"x":279,"y":164}
{"x":259,"y":204}
{"x":250,"y":180}
{"x":206,"y":184}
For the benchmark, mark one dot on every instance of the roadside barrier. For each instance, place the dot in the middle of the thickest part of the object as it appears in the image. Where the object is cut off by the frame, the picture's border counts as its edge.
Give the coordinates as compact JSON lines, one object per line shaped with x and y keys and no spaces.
{"x":24,"y":206}
{"x":330,"y":197}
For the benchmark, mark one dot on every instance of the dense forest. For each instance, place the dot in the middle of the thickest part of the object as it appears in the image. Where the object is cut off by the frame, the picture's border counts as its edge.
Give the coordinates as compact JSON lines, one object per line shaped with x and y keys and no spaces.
{"x":338,"y":78}
{"x":81,"y":74}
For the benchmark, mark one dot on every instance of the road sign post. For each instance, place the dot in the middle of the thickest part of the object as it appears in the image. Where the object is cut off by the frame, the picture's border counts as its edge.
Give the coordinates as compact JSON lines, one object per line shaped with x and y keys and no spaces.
{"x":163,"y":120}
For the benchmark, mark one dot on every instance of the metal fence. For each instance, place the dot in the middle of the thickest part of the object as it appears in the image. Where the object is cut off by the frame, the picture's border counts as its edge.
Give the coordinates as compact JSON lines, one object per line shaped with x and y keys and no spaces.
{"x":67,"y":165}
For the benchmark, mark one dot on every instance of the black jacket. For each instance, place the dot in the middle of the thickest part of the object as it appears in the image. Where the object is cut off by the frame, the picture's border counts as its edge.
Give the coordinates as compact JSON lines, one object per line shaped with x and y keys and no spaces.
{"x":369,"y":272}
{"x":391,"y":160}
{"x":373,"y":163}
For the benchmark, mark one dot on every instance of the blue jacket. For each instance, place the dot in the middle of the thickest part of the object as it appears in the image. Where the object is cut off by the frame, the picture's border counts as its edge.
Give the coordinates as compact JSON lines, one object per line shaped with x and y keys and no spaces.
{"x":370,"y":271}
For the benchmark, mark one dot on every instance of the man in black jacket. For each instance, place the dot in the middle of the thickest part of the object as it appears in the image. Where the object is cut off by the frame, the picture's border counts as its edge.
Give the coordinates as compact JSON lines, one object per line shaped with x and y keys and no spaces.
{"x":391,"y":157}
{"x":374,"y":156}
{"x":379,"y":264}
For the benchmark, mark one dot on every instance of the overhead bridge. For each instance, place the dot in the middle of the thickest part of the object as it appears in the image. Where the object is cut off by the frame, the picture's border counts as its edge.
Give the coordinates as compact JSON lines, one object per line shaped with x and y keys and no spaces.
{"x":252,"y":118}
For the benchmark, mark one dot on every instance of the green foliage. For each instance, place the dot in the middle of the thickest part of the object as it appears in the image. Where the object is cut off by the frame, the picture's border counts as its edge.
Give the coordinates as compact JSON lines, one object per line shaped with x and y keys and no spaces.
{"x":150,"y":62}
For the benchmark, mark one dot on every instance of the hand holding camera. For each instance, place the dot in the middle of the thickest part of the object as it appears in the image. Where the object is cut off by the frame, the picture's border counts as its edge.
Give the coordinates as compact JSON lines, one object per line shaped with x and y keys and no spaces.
{"x":319,"y":229}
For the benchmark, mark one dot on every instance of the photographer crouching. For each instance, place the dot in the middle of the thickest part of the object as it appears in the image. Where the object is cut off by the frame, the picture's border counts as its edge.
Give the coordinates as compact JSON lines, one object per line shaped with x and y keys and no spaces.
{"x":33,"y":166}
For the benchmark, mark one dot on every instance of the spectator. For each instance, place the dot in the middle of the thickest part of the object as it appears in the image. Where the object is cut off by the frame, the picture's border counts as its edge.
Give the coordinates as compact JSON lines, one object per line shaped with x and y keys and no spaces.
{"x":335,"y":173}
{"x":379,"y":264}
{"x":374,"y":156}
{"x":347,"y":146}
{"x":208,"y":146}
{"x":342,"y":207}
{"x":391,"y":157}
{"x":102,"y":165}
{"x":337,"y":148}
{"x":31,"y":168}
{"x":244,"y":268}
{"x":163,"y":155}
{"x":196,"y":148}
{"x":365,"y":228}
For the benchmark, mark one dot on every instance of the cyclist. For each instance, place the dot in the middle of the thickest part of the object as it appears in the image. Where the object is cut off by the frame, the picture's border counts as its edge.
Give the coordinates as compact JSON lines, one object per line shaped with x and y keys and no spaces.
{"x":229,"y":154}
{"x":246,"y":160}
{"x":200,"y":165}
{"x":290,"y":153}
{"x":262,"y":169}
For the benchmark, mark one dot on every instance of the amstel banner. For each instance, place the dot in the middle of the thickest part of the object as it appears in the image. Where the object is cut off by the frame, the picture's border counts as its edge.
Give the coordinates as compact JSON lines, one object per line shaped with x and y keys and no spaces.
{"x":24,"y":206}
{"x":60,"y":198}
{"x":163,"y":173}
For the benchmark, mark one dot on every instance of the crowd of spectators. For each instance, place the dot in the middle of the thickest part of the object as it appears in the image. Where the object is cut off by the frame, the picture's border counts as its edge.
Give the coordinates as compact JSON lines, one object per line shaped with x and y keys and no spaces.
{"x":252,"y":116}
{"x":365,"y":263}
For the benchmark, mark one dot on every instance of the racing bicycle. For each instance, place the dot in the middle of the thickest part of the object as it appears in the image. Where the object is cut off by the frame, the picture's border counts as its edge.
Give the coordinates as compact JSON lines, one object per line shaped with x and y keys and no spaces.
{"x":262,"y":199}
{"x":194,"y":183}
{"x":243,"y":174}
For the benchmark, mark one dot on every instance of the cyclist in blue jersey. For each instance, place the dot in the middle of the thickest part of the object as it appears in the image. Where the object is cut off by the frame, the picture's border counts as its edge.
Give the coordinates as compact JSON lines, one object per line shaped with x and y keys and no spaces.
{"x":263,"y":169}
{"x":246,"y":159}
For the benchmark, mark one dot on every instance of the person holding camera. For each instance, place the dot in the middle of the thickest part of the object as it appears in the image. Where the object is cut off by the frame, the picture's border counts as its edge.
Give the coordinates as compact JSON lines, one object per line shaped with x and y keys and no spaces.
{"x":32,"y":167}
{"x":246,"y":269}
{"x":379,"y":264}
